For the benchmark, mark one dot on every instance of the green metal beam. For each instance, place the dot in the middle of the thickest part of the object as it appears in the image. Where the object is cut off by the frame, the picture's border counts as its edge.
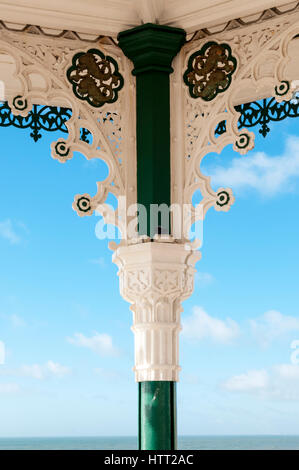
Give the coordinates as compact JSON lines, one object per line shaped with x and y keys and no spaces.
{"x":152,"y":48}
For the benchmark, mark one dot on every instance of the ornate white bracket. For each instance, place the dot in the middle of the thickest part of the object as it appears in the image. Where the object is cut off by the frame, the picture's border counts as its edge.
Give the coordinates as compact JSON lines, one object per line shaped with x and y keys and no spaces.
{"x":48,"y":70}
{"x":155,"y":277}
{"x":211,"y":76}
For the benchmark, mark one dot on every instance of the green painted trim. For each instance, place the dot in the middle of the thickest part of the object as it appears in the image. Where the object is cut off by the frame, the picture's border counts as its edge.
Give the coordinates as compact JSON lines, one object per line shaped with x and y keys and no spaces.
{"x":152,"y":48}
{"x":157,"y":416}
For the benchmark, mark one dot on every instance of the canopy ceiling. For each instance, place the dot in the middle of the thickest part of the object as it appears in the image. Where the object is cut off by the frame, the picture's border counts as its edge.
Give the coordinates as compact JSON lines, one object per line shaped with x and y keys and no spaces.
{"x":109,"y":17}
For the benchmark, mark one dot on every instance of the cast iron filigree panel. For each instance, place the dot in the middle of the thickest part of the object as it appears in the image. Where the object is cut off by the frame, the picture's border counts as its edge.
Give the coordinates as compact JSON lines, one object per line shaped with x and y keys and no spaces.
{"x":40,"y":118}
{"x":261,"y":113}
{"x":95,"y":77}
{"x":210,"y":71}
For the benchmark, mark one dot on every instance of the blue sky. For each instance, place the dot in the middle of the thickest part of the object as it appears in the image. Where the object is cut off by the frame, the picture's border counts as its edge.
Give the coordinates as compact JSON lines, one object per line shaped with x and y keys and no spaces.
{"x":69,"y":347}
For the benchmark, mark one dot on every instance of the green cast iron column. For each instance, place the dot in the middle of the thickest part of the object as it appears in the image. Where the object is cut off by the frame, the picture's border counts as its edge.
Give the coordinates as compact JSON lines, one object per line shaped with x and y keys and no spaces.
{"x":152,"y":48}
{"x":157,"y":416}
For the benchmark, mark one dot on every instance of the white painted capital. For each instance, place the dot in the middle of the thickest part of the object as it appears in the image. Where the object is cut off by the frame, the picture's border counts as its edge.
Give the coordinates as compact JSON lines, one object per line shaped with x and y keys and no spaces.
{"x":155,"y":277}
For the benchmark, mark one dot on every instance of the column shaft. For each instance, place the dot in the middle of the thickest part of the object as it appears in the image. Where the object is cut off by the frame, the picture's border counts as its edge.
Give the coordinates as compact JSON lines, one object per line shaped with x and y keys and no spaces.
{"x":153,"y":145}
{"x":152,"y":48}
{"x":157,"y":415}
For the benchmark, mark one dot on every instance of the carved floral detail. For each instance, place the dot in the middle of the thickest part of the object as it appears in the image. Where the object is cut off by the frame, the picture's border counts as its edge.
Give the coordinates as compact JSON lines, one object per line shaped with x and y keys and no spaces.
{"x":61,"y":151}
{"x":244,"y":142}
{"x":210,"y":71}
{"x":224,"y":199}
{"x":155,"y":278}
{"x":95,"y":77}
{"x":138,"y":281}
{"x":83,"y":205}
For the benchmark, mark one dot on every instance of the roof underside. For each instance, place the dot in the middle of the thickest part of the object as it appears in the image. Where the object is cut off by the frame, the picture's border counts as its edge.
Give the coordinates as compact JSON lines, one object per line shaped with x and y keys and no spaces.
{"x":109,"y":17}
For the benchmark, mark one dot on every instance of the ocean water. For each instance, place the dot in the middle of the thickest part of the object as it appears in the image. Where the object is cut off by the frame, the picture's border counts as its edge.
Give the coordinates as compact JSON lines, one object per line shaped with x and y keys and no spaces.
{"x":130,"y":443}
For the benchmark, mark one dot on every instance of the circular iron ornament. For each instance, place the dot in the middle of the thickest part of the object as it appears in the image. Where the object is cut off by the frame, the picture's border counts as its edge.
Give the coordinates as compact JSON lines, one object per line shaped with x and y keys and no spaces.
{"x":20,"y":103}
{"x":283,"y":88}
{"x":210,"y":71}
{"x":223,"y":198}
{"x":62,"y":149}
{"x":83,"y":204}
{"x":95,"y":77}
{"x":243,"y":141}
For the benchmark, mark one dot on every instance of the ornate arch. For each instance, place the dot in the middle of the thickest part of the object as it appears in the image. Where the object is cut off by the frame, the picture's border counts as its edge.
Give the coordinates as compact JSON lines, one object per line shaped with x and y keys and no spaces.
{"x":219,"y":73}
{"x":44,"y":74}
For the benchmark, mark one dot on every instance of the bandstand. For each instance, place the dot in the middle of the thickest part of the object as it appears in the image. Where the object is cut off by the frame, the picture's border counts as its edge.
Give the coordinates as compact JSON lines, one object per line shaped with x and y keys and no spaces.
{"x":150,"y":87}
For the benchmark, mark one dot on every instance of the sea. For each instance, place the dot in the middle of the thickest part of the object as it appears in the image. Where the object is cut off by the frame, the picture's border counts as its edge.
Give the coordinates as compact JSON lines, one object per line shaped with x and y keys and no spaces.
{"x":130,"y":443}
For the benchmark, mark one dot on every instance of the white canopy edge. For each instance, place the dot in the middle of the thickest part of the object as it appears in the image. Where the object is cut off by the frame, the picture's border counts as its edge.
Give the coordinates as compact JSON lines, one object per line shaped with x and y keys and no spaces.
{"x":92,"y":18}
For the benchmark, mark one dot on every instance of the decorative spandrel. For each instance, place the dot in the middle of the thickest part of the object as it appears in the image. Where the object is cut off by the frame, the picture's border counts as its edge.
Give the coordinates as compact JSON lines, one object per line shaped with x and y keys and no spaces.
{"x":233,"y":66}
{"x":99,"y":125}
{"x":95,"y":77}
{"x":261,"y":113}
{"x":210,"y":71}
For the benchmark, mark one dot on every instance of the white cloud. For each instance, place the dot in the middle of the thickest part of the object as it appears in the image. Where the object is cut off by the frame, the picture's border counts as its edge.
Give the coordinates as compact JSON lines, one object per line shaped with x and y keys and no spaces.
{"x":35,"y":371}
{"x":288,"y":371}
{"x":200,"y":325}
{"x":285,"y":382}
{"x":38,"y":371}
{"x":100,"y":343}
{"x":250,"y":381}
{"x":281,"y":382}
{"x":9,"y":388}
{"x":268,"y":175}
{"x":57,"y":369}
{"x":8,"y":232}
{"x":273,"y":325}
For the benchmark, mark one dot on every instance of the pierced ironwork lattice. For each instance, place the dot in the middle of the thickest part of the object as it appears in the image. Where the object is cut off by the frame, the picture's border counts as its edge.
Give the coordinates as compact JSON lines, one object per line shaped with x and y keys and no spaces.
{"x":40,"y":118}
{"x":261,"y":113}
{"x":210,"y":71}
{"x":95,"y":78}
{"x":51,"y":118}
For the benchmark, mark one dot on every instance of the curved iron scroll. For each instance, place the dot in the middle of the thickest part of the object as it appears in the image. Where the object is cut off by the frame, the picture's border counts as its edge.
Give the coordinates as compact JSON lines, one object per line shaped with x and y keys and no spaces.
{"x":50,"y":118}
{"x":261,"y":113}
{"x":40,"y":118}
